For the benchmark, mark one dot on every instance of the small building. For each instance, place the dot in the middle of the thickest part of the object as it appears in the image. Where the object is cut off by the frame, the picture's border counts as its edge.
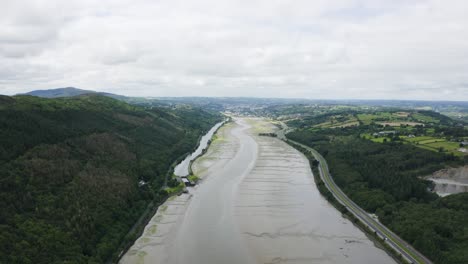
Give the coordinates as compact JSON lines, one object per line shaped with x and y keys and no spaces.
{"x":142,"y":183}
{"x":384,"y":133}
{"x":187,"y":182}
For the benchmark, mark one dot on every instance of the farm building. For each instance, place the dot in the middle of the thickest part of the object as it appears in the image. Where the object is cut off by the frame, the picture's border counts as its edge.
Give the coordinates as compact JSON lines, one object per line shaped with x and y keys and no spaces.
{"x":187,"y":182}
{"x":384,"y":133}
{"x":142,"y":183}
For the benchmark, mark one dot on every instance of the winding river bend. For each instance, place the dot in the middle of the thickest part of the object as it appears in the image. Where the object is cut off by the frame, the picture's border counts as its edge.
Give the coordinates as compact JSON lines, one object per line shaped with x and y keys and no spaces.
{"x":257,"y":203}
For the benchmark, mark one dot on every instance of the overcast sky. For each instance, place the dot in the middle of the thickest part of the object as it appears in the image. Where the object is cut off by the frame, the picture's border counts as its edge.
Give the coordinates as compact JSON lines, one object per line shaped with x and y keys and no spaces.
{"x":386,"y":49}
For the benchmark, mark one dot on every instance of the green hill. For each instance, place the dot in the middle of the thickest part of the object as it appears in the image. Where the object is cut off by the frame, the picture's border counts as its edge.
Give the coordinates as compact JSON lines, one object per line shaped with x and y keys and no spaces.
{"x":70,"y":169}
{"x":70,"y":92}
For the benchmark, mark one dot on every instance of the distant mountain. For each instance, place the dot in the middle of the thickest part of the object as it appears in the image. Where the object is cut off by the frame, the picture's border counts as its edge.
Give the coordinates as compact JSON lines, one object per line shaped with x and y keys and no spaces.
{"x":69,"y":92}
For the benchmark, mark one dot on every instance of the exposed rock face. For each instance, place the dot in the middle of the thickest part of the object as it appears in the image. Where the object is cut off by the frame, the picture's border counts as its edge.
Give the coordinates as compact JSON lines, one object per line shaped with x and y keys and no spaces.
{"x":450,"y":181}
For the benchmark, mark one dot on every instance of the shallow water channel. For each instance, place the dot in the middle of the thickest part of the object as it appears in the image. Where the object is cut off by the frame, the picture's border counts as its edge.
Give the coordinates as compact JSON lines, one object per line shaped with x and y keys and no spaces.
{"x":257,"y":203}
{"x":182,"y":169}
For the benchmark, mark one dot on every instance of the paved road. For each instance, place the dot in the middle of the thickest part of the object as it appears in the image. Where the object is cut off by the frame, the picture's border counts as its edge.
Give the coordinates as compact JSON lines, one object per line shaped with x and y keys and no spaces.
{"x":408,"y":252}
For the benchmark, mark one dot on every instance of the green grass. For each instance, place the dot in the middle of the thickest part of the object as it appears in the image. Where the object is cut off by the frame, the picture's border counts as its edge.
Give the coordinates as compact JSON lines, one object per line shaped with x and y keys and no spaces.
{"x":374,"y":139}
{"x":193,"y":178}
{"x":176,"y":189}
{"x":408,"y":129}
{"x":395,"y":118}
{"x":380,"y":117}
{"x":345,"y":124}
{"x":428,"y":141}
{"x":434,"y":144}
{"x":366,"y":118}
{"x":425,"y":142}
{"x":336,"y":121}
{"x":430,"y":131}
{"x":379,"y":139}
{"x":424,"y":118}
{"x":447,"y":145}
{"x":417,"y":139}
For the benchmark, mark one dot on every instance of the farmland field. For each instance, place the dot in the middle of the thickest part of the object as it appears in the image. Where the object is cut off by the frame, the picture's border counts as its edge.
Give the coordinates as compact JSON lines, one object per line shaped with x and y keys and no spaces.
{"x":369,"y":118}
{"x":392,"y":119}
{"x":374,"y":139}
{"x":435,"y":144}
{"x":399,"y":123}
{"x":424,"y":118}
{"x":337,"y":121}
{"x":417,"y":139}
{"x":425,"y":142}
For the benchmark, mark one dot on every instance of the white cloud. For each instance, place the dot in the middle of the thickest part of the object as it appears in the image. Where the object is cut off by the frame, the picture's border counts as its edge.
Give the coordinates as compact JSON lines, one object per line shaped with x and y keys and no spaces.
{"x":316,"y":49}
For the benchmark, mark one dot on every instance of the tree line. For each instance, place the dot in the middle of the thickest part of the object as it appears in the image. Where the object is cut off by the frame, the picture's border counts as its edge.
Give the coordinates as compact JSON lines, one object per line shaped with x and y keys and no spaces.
{"x":69,"y":188}
{"x":385,"y":179}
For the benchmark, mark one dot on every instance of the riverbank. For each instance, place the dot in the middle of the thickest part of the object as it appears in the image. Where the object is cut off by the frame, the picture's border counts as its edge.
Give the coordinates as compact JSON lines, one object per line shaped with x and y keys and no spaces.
{"x":150,"y":213}
{"x":212,"y":138}
{"x":321,"y":186}
{"x":256,"y":204}
{"x":297,"y":224}
{"x":183,"y":168}
{"x":154,"y":245}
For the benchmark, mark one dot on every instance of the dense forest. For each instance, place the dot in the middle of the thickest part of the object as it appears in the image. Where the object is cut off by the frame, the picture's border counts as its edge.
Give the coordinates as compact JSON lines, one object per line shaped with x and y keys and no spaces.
{"x":383,"y":179}
{"x":77,"y":173}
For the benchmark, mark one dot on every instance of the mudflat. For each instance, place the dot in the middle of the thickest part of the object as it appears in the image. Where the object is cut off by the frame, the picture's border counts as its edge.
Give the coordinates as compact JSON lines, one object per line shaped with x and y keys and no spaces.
{"x":257,"y":203}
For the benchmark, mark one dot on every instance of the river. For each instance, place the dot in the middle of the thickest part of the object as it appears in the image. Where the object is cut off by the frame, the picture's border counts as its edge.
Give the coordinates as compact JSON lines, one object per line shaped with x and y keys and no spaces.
{"x":257,"y":203}
{"x":182,"y":169}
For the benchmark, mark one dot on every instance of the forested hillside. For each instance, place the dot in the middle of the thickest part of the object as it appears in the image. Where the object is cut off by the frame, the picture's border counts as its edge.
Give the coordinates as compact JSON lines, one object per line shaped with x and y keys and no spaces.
{"x":383,"y":178}
{"x":71,"y":168}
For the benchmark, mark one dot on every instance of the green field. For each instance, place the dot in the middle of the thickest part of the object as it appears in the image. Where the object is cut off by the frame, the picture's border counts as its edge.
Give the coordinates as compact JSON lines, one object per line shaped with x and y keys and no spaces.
{"x":374,"y":139}
{"x":434,"y":144}
{"x":423,"y":118}
{"x":369,"y":118}
{"x":337,"y":121}
{"x":397,"y":117}
{"x":446,"y":145}
{"x":416,"y":139}
{"x":425,"y":142}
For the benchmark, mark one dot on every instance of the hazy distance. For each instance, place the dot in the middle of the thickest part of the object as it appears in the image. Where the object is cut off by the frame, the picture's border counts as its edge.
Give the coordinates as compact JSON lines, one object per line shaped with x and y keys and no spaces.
{"x":295,"y":49}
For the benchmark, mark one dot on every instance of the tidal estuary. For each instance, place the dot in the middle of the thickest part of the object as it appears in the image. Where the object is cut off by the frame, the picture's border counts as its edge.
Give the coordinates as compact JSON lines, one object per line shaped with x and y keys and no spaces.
{"x":256,"y":203}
